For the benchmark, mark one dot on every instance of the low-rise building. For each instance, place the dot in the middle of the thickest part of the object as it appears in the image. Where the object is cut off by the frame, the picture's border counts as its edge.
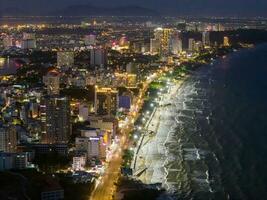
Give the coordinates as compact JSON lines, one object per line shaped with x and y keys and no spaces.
{"x":79,"y":162}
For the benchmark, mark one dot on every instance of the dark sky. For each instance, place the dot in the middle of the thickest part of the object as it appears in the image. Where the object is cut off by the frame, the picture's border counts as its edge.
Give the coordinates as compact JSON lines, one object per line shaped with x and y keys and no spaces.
{"x":177,"y":7}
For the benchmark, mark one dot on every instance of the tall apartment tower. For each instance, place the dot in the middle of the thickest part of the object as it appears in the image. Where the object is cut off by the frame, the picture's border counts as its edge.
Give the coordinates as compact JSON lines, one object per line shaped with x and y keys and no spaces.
{"x":206,"y":38}
{"x":161,"y":41}
{"x":8,"y":139}
{"x":106,"y":101}
{"x":28,"y":41}
{"x":56,"y":119}
{"x":90,"y":40}
{"x":226,"y":41}
{"x":176,"y":45}
{"x":98,"y":57}
{"x":52,"y":82}
{"x":191,"y":44}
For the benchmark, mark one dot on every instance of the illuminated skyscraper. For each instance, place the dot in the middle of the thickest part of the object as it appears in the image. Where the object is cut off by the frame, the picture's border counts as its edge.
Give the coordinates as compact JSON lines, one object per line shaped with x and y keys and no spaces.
{"x":28,"y":36}
{"x":52,"y":82}
{"x":55,"y":118}
{"x":83,"y":112}
{"x":90,"y":40}
{"x":8,"y":139}
{"x":161,"y":41}
{"x":191,"y":44}
{"x":226,"y":42}
{"x":8,"y":41}
{"x":154,"y":46}
{"x":98,"y":57}
{"x":28,"y":41}
{"x":206,"y":38}
{"x":106,"y":101}
{"x":198,"y":46}
{"x":165,"y":41}
{"x":176,"y":44}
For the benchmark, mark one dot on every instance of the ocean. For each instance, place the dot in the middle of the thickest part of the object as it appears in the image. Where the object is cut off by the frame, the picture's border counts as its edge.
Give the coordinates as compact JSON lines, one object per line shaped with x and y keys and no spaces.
{"x":217,"y":144}
{"x":8,"y":66}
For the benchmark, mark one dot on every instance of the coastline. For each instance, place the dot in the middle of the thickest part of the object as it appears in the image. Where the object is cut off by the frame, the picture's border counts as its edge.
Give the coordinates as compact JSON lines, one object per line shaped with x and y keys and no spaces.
{"x":166,"y":156}
{"x":149,"y":158}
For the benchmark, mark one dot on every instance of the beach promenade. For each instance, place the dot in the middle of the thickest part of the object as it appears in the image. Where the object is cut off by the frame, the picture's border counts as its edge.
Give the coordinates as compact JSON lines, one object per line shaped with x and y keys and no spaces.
{"x":152,"y":152}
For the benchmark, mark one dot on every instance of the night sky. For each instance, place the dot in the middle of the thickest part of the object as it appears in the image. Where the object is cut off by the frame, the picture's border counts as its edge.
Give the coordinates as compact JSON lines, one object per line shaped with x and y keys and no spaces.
{"x":171,"y":7}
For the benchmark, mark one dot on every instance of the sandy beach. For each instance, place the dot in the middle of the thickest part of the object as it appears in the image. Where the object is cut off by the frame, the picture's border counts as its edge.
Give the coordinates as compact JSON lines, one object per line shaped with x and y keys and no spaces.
{"x":153,"y":154}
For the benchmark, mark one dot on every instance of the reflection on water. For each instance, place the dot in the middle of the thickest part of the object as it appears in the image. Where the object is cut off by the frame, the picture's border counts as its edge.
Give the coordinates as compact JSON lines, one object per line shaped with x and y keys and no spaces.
{"x":218,"y":148}
{"x":8,"y":66}
{"x":2,"y":62}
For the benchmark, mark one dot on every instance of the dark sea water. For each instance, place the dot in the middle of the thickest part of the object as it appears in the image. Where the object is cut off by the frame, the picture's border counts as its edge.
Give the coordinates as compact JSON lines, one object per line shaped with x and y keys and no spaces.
{"x":8,"y":66}
{"x":221,"y":133}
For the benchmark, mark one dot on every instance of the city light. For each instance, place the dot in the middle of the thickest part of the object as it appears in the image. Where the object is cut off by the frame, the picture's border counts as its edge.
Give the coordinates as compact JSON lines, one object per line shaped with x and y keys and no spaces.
{"x":107,"y":100}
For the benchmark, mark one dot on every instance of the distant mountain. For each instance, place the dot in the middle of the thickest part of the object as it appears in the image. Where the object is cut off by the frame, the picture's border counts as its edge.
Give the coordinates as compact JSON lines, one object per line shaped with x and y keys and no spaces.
{"x":83,"y":10}
{"x":13,"y":11}
{"x":89,"y":10}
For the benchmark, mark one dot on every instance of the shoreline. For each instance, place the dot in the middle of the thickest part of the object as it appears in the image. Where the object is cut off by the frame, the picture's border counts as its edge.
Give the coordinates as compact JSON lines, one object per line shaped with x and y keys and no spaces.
{"x":146,"y":159}
{"x":155,"y":159}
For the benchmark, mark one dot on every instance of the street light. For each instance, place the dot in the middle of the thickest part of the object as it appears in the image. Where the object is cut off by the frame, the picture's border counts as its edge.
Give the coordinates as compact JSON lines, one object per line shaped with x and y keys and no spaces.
{"x":135,"y":136}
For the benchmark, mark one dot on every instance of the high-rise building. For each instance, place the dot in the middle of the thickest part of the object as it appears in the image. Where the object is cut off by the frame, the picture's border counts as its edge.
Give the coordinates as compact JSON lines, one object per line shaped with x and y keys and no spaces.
{"x":176,"y":44}
{"x":191,"y":44}
{"x":65,"y":58}
{"x":28,"y":41}
{"x":83,"y":112}
{"x":28,"y":36}
{"x":219,"y":27}
{"x":8,"y":139}
{"x":8,"y":41}
{"x":106,"y":101}
{"x":98,"y":57}
{"x":52,"y":82}
{"x":161,"y":41}
{"x":123,"y":41}
{"x":206,"y":38}
{"x":28,"y":44}
{"x":90,"y":40}
{"x":55,"y":118}
{"x":154,"y":46}
{"x":165,"y":40}
{"x":198,"y":46}
{"x":226,"y":42}
{"x":158,"y":33}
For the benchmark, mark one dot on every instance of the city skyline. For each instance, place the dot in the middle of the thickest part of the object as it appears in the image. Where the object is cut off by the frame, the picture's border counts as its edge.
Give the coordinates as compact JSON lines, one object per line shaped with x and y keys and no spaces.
{"x":122,"y":100}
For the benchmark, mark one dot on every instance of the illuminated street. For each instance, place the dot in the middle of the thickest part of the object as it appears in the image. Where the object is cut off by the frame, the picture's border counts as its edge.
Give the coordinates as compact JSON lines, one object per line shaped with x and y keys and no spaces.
{"x":132,"y":100}
{"x":105,"y":186}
